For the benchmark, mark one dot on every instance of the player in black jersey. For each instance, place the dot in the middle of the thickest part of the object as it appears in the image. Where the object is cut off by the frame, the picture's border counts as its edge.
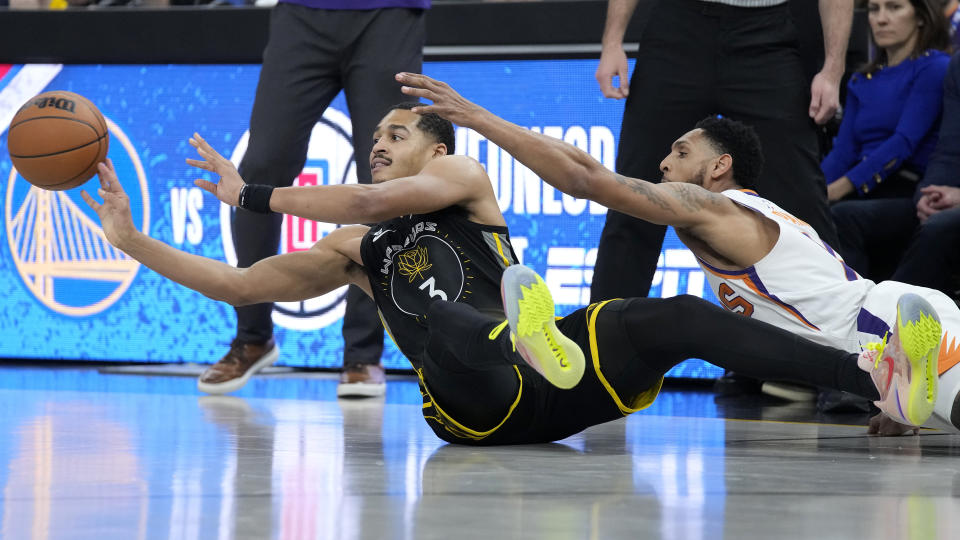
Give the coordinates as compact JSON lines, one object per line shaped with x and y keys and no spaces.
{"x":434,"y":262}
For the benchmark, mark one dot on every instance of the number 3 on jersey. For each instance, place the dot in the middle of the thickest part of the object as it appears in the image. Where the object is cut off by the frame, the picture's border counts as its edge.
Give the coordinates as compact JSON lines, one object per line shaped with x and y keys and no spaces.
{"x":733,"y":301}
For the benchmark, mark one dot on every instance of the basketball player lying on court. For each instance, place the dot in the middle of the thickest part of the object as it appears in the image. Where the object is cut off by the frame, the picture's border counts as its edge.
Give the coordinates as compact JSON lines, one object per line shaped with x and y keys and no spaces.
{"x":434,"y":262}
{"x":760,"y":261}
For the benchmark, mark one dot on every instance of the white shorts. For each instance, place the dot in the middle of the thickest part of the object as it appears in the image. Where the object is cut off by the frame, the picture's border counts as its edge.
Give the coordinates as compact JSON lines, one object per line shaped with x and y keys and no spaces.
{"x":878,"y":315}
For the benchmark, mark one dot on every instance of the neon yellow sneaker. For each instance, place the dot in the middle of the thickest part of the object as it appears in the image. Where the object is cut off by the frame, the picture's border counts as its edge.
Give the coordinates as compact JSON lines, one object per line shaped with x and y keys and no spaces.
{"x":904,"y":368}
{"x":529,"y":308}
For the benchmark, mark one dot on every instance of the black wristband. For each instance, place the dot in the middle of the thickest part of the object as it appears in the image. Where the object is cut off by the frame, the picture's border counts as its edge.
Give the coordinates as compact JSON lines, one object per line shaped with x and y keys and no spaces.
{"x":256,"y":198}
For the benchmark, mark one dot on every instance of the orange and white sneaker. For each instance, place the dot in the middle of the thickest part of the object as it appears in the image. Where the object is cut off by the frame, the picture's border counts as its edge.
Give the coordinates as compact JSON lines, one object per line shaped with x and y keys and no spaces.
{"x":904,"y":368}
{"x":528,"y":305}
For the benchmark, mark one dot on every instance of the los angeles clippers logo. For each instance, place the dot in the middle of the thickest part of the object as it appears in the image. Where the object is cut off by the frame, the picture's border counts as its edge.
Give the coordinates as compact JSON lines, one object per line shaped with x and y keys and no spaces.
{"x":330,"y":161}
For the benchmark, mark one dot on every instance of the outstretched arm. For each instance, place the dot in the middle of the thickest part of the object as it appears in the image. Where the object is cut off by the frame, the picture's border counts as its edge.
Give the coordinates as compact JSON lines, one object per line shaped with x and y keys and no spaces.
{"x":331,"y":263}
{"x":443,"y":182}
{"x":568,"y":168}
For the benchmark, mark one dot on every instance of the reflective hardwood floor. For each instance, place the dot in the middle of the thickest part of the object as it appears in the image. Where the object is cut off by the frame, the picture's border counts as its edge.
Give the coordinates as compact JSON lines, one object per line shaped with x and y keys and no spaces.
{"x":103,"y":456}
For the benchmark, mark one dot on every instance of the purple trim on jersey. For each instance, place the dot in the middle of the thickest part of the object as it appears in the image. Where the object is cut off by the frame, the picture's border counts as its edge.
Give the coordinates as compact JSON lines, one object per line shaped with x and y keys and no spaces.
{"x":725,"y":272}
{"x":360,"y":4}
{"x":868,"y":323}
{"x":847,"y":271}
{"x":752,"y":272}
{"x":850,"y":273}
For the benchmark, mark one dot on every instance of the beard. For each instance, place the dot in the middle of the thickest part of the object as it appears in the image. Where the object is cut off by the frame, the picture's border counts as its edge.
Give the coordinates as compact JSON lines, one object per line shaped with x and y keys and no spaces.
{"x":696,"y":180}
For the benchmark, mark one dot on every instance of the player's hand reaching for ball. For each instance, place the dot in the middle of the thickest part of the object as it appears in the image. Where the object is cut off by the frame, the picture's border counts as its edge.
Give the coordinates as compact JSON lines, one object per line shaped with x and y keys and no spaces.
{"x":114,"y":211}
{"x":228,"y":187}
{"x":446,"y":101}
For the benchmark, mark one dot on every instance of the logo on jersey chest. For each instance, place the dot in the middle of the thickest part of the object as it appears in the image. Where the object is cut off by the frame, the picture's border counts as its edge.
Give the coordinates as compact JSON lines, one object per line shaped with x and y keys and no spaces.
{"x":391,"y":251}
{"x":425,"y":269}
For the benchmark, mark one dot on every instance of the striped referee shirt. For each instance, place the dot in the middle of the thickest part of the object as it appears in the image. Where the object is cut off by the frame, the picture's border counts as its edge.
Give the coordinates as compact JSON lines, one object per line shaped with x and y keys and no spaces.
{"x":748,"y":3}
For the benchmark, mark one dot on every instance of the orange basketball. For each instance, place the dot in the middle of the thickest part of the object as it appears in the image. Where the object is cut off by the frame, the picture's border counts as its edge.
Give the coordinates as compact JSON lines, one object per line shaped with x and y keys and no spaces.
{"x":56,"y":140}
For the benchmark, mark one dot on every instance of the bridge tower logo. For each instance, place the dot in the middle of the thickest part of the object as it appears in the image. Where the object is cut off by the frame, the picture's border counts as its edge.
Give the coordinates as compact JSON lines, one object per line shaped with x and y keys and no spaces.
{"x":60,"y":251}
{"x":330,"y":161}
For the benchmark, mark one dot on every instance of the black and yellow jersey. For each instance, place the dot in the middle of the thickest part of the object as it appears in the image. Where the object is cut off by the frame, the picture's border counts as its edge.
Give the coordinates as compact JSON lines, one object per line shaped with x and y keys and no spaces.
{"x":415,"y":260}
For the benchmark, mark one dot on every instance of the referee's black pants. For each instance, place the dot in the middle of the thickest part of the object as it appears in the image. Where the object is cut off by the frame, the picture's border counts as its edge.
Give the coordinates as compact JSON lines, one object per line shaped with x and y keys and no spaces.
{"x":311,"y":55}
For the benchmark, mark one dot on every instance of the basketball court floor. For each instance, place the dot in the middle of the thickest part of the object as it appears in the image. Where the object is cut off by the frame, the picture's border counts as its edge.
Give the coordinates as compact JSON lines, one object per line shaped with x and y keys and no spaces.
{"x":129,"y":456}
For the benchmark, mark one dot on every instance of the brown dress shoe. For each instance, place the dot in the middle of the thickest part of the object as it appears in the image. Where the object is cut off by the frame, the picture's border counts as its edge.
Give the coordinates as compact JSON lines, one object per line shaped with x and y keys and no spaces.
{"x":236,"y":367}
{"x":364,"y":380}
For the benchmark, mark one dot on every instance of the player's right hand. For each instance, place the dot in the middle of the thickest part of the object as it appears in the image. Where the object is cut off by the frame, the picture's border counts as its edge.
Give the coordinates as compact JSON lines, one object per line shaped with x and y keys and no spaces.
{"x":228,"y":187}
{"x":446,"y":101}
{"x":114,"y":211}
{"x":613,"y":62}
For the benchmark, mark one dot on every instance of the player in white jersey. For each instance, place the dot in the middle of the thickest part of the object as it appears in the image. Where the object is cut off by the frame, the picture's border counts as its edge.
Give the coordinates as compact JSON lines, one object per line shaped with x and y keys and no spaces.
{"x":760,"y":260}
{"x":801,"y":284}
{"x":804,"y":286}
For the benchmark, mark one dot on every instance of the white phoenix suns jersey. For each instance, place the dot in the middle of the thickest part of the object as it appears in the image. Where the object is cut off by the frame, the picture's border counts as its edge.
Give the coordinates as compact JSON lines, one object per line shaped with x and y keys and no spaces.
{"x":802,"y":285}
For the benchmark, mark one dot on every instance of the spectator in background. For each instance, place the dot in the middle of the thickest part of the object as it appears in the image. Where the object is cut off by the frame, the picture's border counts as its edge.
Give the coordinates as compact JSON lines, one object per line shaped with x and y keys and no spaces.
{"x":315,"y":49}
{"x":888,"y":133}
{"x":937,"y":220}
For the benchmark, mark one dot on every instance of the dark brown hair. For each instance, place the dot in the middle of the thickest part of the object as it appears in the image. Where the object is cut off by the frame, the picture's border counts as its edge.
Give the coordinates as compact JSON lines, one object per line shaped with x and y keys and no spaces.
{"x":432,"y":124}
{"x":934,"y":33}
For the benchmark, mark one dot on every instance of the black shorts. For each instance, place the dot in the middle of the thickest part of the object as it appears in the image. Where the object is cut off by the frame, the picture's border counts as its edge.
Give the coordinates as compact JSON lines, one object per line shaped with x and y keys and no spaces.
{"x":508,"y":402}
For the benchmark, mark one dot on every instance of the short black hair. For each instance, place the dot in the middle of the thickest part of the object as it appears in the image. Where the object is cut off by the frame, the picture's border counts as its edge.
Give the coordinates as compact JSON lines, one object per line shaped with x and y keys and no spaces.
{"x":729,"y":136}
{"x":433,"y":124}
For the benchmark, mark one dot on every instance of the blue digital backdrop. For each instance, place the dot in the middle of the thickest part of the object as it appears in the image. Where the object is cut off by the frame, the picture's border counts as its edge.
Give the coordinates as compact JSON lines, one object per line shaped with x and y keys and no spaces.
{"x":67,"y":295}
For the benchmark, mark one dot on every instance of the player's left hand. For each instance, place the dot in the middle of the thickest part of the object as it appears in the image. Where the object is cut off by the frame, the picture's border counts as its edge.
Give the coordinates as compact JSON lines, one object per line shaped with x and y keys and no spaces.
{"x":228,"y":188}
{"x":885,"y":426}
{"x":824,"y":98}
{"x":446,"y":101}
{"x":114,"y":211}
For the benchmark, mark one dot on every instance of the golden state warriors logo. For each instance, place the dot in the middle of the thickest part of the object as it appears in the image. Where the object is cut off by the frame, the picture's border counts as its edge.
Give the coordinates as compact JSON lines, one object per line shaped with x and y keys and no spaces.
{"x":58,"y":246}
{"x":329,"y":161}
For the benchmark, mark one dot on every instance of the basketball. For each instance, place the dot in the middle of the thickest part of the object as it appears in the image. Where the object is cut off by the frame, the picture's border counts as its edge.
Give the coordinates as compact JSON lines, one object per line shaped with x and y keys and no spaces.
{"x":56,"y":140}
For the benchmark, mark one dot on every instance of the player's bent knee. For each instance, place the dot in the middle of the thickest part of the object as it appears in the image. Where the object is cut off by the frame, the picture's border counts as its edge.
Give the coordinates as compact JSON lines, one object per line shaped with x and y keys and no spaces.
{"x":687,"y":305}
